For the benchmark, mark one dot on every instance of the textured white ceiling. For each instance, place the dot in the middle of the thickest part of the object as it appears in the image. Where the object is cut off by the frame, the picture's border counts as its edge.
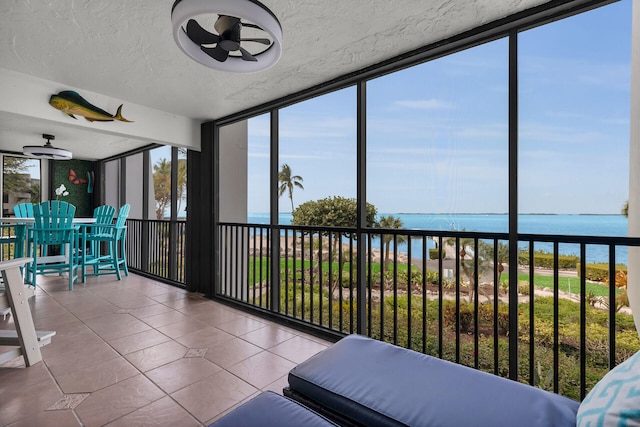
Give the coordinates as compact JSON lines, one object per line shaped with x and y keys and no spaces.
{"x":124,"y":48}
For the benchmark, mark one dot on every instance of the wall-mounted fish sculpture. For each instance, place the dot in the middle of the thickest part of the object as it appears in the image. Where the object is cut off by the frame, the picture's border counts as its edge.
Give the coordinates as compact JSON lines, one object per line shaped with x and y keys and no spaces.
{"x":71,"y":103}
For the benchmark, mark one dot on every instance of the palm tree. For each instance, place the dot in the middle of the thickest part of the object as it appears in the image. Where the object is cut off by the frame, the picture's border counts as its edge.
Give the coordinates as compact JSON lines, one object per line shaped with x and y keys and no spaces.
{"x":182,"y":179}
{"x":287,"y":182}
{"x":162,"y":186}
{"x":390,"y":222}
{"x":625,"y":209}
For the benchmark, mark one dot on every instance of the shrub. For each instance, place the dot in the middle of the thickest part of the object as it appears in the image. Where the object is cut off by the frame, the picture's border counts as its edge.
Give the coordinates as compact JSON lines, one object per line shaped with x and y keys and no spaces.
{"x":435,"y":253}
{"x":486,"y":312}
{"x":432,"y":277}
{"x":450,"y":315}
{"x":545,"y":260}
{"x":599,"y":272}
{"x":403,"y":277}
{"x":333,"y":211}
{"x":347,"y":282}
{"x":465,"y":316}
{"x":485,"y":317}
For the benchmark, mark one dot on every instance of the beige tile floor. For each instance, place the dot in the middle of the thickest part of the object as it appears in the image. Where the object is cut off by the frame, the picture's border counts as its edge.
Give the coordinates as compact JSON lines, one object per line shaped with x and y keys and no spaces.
{"x":139,"y":352}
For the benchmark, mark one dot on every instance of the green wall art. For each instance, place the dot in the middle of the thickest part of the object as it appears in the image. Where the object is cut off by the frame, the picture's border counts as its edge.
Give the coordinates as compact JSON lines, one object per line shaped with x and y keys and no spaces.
{"x":78,"y":178}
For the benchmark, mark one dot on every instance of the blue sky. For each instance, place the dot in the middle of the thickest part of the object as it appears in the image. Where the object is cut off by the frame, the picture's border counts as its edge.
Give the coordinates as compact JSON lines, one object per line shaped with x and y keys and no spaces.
{"x":437,"y":133}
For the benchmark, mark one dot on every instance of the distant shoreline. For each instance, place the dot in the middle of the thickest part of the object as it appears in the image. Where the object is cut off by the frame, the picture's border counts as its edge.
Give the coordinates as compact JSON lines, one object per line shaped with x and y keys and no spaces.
{"x":613,"y":225}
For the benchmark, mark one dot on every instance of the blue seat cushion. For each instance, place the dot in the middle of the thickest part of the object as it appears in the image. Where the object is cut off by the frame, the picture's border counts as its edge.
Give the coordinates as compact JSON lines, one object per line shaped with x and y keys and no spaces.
{"x":374,"y":383}
{"x":271,"y":409}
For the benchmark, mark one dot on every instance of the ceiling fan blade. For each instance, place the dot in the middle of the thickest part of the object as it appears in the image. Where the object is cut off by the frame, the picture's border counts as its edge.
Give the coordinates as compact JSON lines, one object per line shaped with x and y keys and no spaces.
{"x":263,"y":41}
{"x":247,"y":56}
{"x":225,"y":23}
{"x":217,"y":53}
{"x":250,"y":25}
{"x":199,"y":35}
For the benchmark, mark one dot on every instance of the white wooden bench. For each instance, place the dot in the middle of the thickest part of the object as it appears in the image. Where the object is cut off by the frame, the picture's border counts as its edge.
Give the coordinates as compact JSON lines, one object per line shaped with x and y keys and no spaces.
{"x":26,"y":340}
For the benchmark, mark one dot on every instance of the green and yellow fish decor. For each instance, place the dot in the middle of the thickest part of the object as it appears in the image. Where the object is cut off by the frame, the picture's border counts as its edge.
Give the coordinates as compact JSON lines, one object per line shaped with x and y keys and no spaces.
{"x":70,"y":103}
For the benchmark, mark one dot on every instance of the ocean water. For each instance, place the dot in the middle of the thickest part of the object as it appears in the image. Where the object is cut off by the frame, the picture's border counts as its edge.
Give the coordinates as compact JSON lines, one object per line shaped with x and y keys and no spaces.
{"x":574,"y":225}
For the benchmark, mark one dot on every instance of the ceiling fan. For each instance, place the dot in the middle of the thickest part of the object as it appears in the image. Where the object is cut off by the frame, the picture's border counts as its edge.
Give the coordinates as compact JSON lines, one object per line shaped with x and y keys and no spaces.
{"x":210,"y":32}
{"x":47,"y":151}
{"x":227,"y":40}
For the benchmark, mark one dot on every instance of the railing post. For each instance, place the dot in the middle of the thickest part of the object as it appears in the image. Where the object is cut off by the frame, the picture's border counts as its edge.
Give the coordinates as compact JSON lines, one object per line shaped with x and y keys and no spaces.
{"x":173,"y":253}
{"x":513,"y":205}
{"x":275,"y":269}
{"x":146,"y":247}
{"x":361,"y":221}
{"x":173,"y":258}
{"x":274,"y":304}
{"x":146,"y":172}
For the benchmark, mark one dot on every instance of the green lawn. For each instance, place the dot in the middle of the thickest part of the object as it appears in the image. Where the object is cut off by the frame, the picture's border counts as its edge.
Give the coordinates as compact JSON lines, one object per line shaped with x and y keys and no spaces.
{"x":565,"y":284}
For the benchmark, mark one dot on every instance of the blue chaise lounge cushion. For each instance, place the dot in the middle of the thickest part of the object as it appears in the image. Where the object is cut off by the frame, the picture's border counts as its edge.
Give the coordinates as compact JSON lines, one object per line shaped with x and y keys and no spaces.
{"x":269,"y":409}
{"x":374,"y":383}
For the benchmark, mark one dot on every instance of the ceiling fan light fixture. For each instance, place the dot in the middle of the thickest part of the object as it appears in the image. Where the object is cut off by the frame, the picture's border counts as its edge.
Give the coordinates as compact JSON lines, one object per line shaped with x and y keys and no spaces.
{"x":47,"y":151}
{"x":246,"y":10}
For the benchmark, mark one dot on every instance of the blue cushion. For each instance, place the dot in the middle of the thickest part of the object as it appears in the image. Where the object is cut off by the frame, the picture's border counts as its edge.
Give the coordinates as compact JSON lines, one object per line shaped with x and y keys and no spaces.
{"x":271,"y":409}
{"x":375,"y":383}
{"x":615,"y":399}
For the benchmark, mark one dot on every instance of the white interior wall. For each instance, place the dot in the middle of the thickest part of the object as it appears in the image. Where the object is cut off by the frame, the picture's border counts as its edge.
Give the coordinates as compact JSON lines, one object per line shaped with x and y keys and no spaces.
{"x":233,"y":202}
{"x":233,"y":172}
{"x":133,"y":186}
{"x":112,"y":182}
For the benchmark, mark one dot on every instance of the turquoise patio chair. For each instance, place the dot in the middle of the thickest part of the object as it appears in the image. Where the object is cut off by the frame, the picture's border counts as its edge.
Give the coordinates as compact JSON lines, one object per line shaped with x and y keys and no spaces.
{"x":21,"y":210}
{"x":115,"y":258}
{"x":53,"y":226}
{"x":94,"y":234}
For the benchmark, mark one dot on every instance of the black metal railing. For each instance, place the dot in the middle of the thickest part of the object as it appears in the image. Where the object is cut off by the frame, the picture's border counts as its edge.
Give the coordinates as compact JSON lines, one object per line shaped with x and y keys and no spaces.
{"x":9,"y":237}
{"x":156,"y":248}
{"x":446,"y":294}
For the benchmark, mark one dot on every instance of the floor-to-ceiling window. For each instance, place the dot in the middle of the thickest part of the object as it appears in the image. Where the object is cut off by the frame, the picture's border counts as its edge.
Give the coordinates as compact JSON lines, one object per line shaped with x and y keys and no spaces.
{"x":161,"y":175}
{"x":437,"y":141}
{"x":445,"y":142}
{"x":437,"y":159}
{"x":574,"y":94}
{"x":317,"y":150}
{"x":154,"y":183}
{"x":20,"y":182}
{"x":573,"y":165}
